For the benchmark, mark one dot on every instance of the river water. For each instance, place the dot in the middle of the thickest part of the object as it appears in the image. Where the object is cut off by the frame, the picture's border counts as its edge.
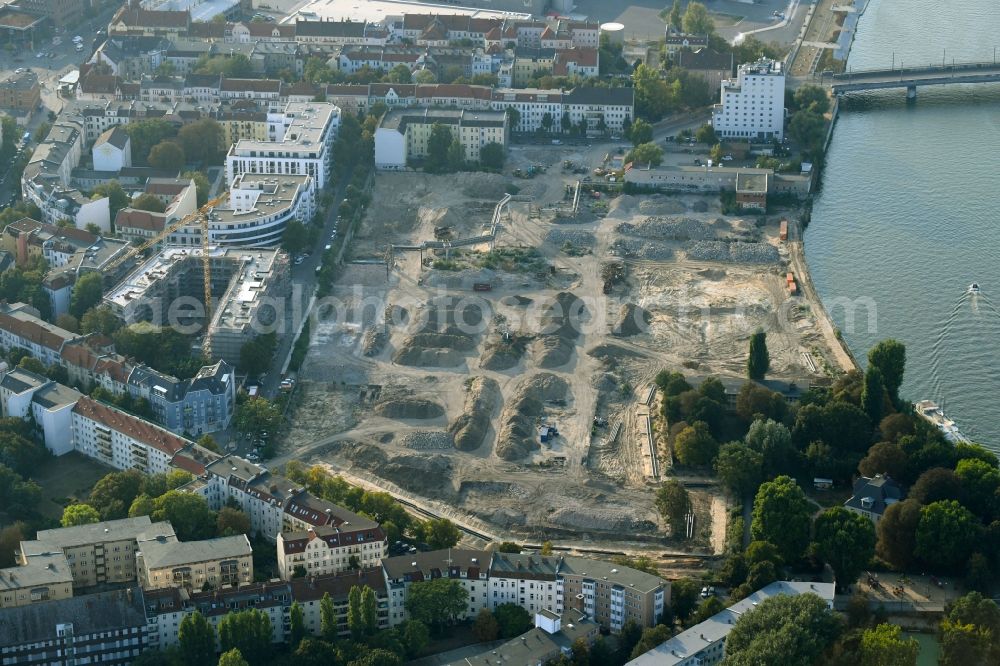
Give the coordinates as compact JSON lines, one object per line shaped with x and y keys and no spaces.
{"x":908,"y":210}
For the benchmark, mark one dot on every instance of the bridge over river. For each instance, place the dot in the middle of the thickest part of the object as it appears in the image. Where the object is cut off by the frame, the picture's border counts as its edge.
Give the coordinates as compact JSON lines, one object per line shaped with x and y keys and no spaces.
{"x":912,"y":77}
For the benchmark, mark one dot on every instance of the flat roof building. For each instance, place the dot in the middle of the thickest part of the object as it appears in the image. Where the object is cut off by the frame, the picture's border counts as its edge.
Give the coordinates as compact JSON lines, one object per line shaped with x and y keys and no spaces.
{"x":193,"y":565}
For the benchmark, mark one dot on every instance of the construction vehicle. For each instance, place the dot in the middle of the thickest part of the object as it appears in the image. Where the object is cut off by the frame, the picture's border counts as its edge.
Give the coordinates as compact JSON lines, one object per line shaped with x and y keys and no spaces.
{"x":199,"y":217}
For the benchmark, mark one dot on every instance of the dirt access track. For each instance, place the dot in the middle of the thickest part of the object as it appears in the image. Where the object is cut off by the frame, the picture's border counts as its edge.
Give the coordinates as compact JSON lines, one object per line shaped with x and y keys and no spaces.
{"x":422,"y":383}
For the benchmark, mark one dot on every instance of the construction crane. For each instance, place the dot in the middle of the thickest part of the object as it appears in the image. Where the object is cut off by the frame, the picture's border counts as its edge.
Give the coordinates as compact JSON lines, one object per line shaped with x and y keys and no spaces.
{"x":201,"y":218}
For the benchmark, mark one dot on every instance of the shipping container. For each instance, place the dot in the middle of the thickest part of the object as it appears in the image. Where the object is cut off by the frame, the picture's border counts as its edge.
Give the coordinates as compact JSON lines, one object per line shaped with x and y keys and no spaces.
{"x":783,"y":230}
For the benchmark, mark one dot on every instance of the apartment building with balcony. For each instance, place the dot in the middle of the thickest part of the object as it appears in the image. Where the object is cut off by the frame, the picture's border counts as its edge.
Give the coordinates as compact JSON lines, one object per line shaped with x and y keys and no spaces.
{"x":354,"y":542}
{"x":467,"y":567}
{"x":194,"y":565}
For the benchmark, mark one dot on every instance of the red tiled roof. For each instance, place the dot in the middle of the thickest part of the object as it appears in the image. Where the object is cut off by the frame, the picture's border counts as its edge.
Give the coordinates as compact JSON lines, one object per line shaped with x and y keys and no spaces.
{"x":187,"y":464}
{"x":133,"y":427}
{"x":338,"y":586}
{"x":36,"y":331}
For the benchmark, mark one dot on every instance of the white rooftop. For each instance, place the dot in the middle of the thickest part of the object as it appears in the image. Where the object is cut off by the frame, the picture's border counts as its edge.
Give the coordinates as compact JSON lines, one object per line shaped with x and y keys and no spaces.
{"x":376,"y":11}
{"x":305,"y":123}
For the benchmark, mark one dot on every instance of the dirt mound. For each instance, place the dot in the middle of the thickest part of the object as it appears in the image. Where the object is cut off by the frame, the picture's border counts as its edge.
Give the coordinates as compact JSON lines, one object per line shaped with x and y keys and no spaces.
{"x":632,"y":320}
{"x":427,"y":474}
{"x":442,"y":331}
{"x":409,"y":408}
{"x":564,"y":317}
{"x":658,"y":205}
{"x":481,"y":185}
{"x":374,"y":341}
{"x":469,"y":429}
{"x":552,"y":351}
{"x":500,"y":356}
{"x":517,"y":436}
{"x":424,"y":440}
{"x":612,"y":352}
{"x":517,"y":301}
{"x":617,"y":519}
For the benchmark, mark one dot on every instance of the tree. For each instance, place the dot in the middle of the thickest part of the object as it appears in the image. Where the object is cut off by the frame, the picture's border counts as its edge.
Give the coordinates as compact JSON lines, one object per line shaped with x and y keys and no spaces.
{"x":79,"y":514}
{"x":980,"y":482}
{"x":629,"y":636}
{"x":18,"y":496}
{"x":676,"y":18}
{"x":508,"y":547}
{"x":755,"y":401}
{"x":706,"y":135}
{"x":640,"y":132}
{"x":968,"y":633}
{"x":492,"y":156}
{"x":695,"y":445}
{"x":201,"y":184}
{"x":653,"y":98}
{"x":646,"y":153}
{"x":297,"y":619}
{"x":936,"y":484}
{"x":441,"y":533}
{"x":257,"y":415}
{"x":547,"y":121}
{"x":783,"y":630}
{"x":369,"y":611}
{"x":697,"y":21}
{"x":546,"y":548}
{"x":187,"y":512}
{"x":149,"y":202}
{"x":166,"y":156}
{"x":256,"y":354}
{"x":114,"y":493}
{"x":651,"y":637}
{"x":32,"y":364}
{"x":437,"y":603}
{"x":456,"y":155}
{"x":808,"y":129}
{"x":684,"y":598}
{"x":846,"y":541}
{"x":897,"y":533}
{"x":416,"y":637}
{"x":437,"y":148}
{"x":69,"y":322}
{"x":141,"y":506}
{"x":117,"y":197}
{"x":884,"y":458}
{"x":11,"y":537}
{"x":512,"y":619}
{"x":873,"y":395}
{"x":759,"y":360}
{"x":232,"y":658}
{"x":378,"y":657}
{"x":773,"y":441}
{"x":781,"y":515}
{"x":145,"y":134}
{"x":232,"y":522}
{"x":328,"y":617}
{"x":946,"y":535}
{"x":87,"y":293}
{"x":196,"y":639}
{"x":673,"y":503}
{"x":485,"y":628}
{"x":248,"y":631}
{"x":201,"y":141}
{"x":355,"y":620}
{"x":513,"y":118}
{"x":884,"y":645}
{"x":812,"y":98}
{"x":716,"y":153}
{"x":100,"y":320}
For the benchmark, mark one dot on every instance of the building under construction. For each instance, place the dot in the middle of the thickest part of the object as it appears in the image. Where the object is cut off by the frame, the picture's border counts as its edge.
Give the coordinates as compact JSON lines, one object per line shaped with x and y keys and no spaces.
{"x":248,"y":289}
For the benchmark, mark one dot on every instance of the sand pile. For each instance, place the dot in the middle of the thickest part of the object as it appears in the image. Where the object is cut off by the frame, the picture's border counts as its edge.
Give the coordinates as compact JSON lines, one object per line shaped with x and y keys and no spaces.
{"x":478,"y":185}
{"x":561,"y":322}
{"x":660,"y":205}
{"x":618,"y":519}
{"x":504,"y":353}
{"x":469,"y":429}
{"x":442,"y":332}
{"x":611,"y":352}
{"x":632,"y":320}
{"x":516,"y":301}
{"x":427,"y":474}
{"x":374,"y":340}
{"x":518,"y":435}
{"x":409,"y":408}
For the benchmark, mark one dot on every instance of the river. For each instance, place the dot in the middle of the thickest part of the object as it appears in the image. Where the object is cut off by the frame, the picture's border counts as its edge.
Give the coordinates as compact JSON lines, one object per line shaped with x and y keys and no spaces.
{"x":907,"y":213}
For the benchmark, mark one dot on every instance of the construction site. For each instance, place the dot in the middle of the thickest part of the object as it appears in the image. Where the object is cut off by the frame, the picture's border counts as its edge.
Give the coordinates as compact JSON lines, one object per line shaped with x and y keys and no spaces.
{"x":489,"y":351}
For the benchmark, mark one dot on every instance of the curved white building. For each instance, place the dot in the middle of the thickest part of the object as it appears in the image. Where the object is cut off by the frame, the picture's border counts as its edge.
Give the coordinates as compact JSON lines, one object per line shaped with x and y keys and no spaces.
{"x":260,"y":206}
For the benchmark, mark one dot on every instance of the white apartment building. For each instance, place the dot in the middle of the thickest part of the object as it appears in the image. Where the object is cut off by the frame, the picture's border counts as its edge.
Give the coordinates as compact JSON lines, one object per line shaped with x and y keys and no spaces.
{"x":122,"y":440}
{"x":704,"y":644}
{"x":354,"y":542}
{"x":300,"y":141}
{"x":260,"y":206}
{"x":753,"y":105}
{"x":28,"y":396}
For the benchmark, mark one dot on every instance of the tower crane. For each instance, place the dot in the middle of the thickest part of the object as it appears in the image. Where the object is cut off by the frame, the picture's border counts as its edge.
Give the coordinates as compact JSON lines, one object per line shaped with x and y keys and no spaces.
{"x":199,"y":217}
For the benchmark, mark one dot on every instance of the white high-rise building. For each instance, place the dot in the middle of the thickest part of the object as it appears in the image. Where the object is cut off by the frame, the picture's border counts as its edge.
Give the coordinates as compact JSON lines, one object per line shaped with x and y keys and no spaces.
{"x":753,"y":105}
{"x":300,"y":142}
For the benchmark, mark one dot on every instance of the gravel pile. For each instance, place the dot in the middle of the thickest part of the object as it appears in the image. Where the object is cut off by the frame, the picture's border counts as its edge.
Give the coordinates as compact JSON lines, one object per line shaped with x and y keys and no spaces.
{"x":744,"y":253}
{"x":669,"y":228}
{"x":661,"y":206}
{"x":411,"y":408}
{"x":576,"y":237}
{"x":423,"y":440}
{"x":633,"y":248}
{"x":374,"y":341}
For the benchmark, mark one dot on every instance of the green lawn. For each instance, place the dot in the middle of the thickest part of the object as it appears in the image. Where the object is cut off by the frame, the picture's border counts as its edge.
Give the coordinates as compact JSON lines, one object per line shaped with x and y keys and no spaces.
{"x":66,"y":478}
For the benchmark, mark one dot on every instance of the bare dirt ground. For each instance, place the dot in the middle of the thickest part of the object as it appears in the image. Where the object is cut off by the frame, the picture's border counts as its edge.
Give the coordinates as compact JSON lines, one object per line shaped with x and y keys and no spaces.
{"x":420,"y":384}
